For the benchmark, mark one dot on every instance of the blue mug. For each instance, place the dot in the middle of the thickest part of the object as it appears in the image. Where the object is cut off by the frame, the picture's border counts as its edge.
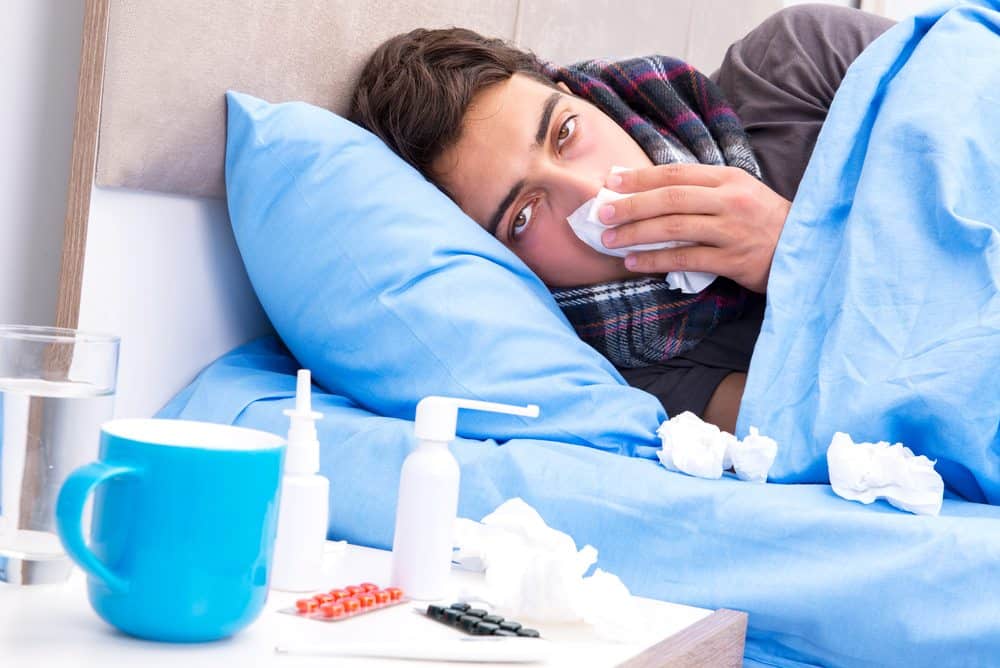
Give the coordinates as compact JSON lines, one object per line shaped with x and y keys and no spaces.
{"x":183,"y":526}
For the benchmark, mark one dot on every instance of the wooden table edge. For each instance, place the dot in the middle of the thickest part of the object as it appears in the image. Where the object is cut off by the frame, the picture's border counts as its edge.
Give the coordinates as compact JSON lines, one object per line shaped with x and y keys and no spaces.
{"x":716,"y":640}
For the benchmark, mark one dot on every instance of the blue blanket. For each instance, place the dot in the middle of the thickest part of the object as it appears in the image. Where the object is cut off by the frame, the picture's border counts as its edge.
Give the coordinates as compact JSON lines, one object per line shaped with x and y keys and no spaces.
{"x":883,"y":312}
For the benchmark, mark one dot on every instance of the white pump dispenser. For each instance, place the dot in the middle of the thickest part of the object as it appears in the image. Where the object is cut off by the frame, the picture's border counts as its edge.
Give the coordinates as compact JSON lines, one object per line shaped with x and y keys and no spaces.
{"x":303,"y":509}
{"x":428,"y":497}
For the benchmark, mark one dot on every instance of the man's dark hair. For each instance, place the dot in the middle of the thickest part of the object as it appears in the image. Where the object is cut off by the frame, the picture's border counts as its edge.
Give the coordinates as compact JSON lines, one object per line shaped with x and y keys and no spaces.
{"x":416,"y":87}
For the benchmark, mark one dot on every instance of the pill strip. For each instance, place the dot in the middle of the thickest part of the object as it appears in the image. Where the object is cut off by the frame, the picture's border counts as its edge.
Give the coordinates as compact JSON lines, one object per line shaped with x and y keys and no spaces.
{"x":346,"y":602}
{"x":478,"y":621}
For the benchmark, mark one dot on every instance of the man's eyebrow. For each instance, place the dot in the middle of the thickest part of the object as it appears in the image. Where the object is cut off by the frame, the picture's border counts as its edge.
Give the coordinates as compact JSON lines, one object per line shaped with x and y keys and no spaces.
{"x":507,"y":201}
{"x":543,"y":122}
{"x":543,"y":128}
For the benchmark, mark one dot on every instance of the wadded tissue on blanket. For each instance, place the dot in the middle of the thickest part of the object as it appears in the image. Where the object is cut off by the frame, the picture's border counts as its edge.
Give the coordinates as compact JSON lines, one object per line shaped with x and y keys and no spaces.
{"x":698,"y":448}
{"x":868,"y":471}
{"x":858,"y":471}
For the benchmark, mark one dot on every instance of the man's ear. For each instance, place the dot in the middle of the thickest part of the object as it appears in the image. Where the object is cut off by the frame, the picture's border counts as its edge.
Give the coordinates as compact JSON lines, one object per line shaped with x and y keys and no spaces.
{"x":564,"y":88}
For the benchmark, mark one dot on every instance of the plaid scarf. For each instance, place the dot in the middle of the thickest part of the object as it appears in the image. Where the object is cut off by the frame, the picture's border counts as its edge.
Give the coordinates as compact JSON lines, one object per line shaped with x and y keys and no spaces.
{"x":676,"y":114}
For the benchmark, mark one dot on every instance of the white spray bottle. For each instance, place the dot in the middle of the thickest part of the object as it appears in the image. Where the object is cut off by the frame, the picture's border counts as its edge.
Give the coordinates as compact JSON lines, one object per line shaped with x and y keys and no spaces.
{"x":428,"y":497}
{"x":303,"y":509}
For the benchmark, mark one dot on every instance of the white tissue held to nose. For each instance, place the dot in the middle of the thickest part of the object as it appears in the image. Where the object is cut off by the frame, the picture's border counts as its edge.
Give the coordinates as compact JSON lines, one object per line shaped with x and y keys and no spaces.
{"x":868,"y":471}
{"x":534,"y":572}
{"x":588,"y":228}
{"x":700,"y":449}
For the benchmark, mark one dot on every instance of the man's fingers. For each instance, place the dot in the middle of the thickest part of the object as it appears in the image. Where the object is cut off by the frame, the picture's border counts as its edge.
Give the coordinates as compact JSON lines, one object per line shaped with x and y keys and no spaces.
{"x":698,"y":229}
{"x":673,"y":174}
{"x":685,"y":258}
{"x":661,"y":202}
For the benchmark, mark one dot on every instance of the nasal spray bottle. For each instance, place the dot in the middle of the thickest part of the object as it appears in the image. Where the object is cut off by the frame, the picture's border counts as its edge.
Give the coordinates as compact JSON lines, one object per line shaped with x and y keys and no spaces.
{"x":428,"y":497}
{"x":303,"y":508}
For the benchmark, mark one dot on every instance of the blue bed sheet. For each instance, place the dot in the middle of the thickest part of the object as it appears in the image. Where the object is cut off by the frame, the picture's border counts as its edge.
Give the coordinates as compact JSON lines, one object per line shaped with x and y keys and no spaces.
{"x":825,"y":581}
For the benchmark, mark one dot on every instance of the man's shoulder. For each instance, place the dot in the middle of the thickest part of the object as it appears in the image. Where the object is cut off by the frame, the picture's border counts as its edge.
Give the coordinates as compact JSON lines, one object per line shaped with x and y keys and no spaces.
{"x":821,"y":29}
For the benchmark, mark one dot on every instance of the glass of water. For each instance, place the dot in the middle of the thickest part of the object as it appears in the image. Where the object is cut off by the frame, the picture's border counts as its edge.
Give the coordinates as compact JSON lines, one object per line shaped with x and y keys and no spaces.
{"x":57,"y":387}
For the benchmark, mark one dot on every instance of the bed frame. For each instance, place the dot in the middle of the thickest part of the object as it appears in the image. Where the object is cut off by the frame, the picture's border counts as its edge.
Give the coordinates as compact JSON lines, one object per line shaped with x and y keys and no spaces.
{"x":148,"y":252}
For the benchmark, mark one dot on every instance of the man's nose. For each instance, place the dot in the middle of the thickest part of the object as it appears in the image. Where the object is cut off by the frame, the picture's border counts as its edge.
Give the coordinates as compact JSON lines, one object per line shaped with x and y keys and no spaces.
{"x":570,"y":188}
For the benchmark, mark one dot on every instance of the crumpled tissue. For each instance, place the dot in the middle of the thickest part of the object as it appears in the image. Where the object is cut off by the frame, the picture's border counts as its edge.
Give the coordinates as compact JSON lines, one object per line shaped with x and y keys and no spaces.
{"x":534,"y":572}
{"x":868,"y":471}
{"x":588,"y":227}
{"x":695,"y":447}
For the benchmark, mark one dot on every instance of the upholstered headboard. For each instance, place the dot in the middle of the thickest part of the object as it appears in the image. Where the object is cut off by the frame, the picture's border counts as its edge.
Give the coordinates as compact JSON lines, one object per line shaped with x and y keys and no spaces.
{"x":148,"y":253}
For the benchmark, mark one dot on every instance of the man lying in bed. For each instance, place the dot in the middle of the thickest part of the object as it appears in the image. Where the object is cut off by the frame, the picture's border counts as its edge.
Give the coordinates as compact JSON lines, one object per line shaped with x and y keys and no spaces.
{"x":519,"y":145}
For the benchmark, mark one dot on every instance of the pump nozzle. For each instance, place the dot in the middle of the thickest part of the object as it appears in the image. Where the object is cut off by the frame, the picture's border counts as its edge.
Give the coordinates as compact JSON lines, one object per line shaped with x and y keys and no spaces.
{"x":437,"y":417}
{"x":302,"y":455}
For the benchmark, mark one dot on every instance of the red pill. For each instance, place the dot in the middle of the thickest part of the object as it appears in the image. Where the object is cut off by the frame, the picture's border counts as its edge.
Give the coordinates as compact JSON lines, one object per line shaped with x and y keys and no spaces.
{"x":338,"y":594}
{"x":353,"y":590}
{"x":350,"y":604}
{"x":367,"y":600}
{"x":332,"y":610}
{"x":323,"y":598}
{"x":381,"y":597}
{"x":395,"y":593}
{"x":368,"y":586}
{"x":306,"y":605}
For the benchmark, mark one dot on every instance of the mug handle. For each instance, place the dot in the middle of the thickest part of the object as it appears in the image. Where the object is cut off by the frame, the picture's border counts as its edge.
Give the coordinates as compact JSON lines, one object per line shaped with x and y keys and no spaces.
{"x":69,"y":518}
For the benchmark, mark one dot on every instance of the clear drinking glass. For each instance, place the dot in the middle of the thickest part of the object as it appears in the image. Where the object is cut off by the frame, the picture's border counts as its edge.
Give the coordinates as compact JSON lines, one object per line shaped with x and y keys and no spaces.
{"x":57,"y":387}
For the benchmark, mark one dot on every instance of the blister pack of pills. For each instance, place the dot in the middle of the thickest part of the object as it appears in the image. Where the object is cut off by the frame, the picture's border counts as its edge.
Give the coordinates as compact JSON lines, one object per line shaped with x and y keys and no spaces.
{"x":478,"y":621}
{"x":346,"y":602}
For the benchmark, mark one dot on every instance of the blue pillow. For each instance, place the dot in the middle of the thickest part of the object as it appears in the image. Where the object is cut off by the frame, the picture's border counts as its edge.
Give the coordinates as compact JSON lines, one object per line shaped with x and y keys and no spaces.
{"x":388,"y":292}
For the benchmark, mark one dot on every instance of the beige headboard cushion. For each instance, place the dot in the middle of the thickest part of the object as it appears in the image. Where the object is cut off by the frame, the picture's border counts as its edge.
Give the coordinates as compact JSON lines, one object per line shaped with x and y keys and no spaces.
{"x":169,"y":62}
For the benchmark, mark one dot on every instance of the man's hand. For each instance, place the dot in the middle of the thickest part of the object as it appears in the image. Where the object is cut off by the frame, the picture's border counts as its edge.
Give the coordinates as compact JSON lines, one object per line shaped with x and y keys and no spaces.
{"x":733,"y":219}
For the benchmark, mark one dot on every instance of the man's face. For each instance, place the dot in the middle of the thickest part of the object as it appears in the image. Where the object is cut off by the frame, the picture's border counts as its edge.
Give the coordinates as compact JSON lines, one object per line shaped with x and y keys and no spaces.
{"x":528,"y":156}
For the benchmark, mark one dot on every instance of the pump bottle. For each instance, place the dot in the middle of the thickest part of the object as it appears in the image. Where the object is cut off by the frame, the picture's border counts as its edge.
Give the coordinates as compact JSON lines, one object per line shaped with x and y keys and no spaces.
{"x":303,"y":506}
{"x":428,"y":497}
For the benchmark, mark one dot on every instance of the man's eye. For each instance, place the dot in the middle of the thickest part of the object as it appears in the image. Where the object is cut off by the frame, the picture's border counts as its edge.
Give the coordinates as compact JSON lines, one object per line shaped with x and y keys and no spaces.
{"x":566,"y":131}
{"x":521,"y":220}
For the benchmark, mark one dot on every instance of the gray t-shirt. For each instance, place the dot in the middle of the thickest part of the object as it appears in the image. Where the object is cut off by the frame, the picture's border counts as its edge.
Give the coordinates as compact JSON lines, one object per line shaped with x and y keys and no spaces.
{"x":780,"y":79}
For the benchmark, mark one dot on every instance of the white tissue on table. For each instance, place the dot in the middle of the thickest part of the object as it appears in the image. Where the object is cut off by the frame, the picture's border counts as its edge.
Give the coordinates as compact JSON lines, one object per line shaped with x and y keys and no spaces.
{"x":534,"y":572}
{"x":588,"y":227}
{"x":868,"y":471}
{"x":695,"y":447}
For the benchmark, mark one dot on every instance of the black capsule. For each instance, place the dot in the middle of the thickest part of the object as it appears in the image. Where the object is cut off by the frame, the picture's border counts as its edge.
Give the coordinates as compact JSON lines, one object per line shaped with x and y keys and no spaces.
{"x":528,"y":633}
{"x":435,"y":611}
{"x":486,"y":629}
{"x":451,"y":616}
{"x":476,"y":612}
{"x":510,"y":625}
{"x":493,"y":619}
{"x":461,"y":606}
{"x":504,"y":632}
{"x":468,"y":622}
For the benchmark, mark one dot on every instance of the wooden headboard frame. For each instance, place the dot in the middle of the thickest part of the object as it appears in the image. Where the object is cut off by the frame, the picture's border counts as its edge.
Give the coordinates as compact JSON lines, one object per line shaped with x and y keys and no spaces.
{"x":148,"y":253}
{"x":81,"y":174}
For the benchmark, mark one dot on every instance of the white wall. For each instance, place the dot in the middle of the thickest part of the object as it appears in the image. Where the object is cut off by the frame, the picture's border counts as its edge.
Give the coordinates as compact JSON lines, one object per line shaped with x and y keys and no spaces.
{"x":845,"y":3}
{"x":170,"y":328}
{"x":898,"y":9}
{"x":40,"y":56}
